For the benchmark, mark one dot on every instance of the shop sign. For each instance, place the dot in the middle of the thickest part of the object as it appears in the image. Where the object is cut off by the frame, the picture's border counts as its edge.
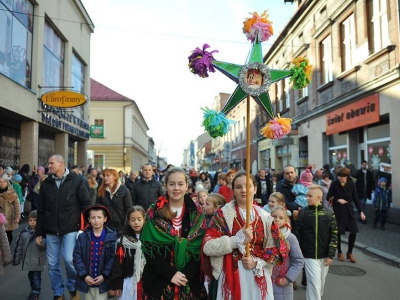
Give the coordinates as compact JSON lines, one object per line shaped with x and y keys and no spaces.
{"x":63,"y":98}
{"x":384,"y":167}
{"x":358,"y":114}
{"x":96,"y":131}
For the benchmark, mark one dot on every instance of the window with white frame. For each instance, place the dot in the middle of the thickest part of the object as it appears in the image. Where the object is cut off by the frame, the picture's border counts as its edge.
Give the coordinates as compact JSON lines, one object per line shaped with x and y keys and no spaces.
{"x":380,"y":25}
{"x":287,"y":93}
{"x":244,"y":129}
{"x":99,"y":161}
{"x":326,"y":60}
{"x":348,"y":35}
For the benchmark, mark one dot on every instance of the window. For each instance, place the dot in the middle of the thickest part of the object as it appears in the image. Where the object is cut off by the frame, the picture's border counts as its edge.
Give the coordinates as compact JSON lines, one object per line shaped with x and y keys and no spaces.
{"x":287,"y":92}
{"x":99,"y":122}
{"x":379,"y":25}
{"x":326,"y":60}
{"x":348,"y":36}
{"x":99,"y":161}
{"x":244,"y":129}
{"x":16,"y":26}
{"x":78,"y":81}
{"x":53,"y":58}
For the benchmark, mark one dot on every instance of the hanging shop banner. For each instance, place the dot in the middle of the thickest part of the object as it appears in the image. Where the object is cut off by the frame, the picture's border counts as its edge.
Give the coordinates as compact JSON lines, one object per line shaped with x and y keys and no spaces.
{"x":358,"y":114}
{"x":96,"y":131}
{"x":63,"y":98}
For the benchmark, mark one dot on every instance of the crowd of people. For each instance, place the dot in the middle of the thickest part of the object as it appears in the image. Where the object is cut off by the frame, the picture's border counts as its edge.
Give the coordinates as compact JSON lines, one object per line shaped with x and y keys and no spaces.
{"x":182,"y":235}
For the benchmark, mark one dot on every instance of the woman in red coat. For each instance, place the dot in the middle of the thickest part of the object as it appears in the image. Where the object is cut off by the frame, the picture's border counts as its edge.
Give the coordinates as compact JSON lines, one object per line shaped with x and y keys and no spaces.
{"x":227,"y":190}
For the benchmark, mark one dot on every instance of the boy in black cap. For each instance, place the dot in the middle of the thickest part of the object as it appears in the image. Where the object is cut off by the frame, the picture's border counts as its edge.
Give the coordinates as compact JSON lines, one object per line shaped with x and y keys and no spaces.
{"x":94,"y":253}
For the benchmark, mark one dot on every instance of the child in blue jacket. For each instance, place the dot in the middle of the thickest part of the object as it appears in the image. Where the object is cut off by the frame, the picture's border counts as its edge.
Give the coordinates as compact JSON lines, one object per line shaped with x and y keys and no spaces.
{"x":94,"y":254}
{"x":382,"y":202}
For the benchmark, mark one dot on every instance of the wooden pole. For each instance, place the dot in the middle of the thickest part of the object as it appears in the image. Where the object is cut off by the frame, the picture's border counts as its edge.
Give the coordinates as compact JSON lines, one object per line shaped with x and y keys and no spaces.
{"x":249,"y":198}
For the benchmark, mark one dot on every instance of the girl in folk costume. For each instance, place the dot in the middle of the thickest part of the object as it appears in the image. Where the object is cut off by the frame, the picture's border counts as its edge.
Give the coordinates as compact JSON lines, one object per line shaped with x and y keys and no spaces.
{"x":227,"y":190}
{"x":125,"y":280}
{"x":240,"y":277}
{"x":285,"y":274}
{"x":171,"y":241}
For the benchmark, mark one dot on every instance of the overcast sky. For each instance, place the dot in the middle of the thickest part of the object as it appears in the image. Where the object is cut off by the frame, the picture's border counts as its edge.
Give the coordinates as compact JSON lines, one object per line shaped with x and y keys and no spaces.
{"x":140,"y":49}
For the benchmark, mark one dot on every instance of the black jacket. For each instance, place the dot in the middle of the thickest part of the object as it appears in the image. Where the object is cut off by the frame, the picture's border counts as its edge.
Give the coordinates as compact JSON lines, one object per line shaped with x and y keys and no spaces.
{"x":118,"y":206}
{"x":285,"y":188}
{"x":146,"y":192}
{"x":317,"y":235}
{"x":370,"y":184}
{"x":259,"y":187}
{"x":59,"y":209}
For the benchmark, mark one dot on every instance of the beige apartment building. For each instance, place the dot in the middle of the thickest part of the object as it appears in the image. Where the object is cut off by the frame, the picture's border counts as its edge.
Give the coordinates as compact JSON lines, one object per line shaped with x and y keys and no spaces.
{"x":44,"y":46}
{"x":350,"y":109}
{"x":118,"y":131}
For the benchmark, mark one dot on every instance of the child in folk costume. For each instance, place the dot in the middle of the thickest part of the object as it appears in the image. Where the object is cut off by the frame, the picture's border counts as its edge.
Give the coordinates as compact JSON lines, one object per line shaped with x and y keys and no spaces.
{"x":129,"y":262}
{"x":171,"y":241}
{"x":213,"y":201}
{"x":285,"y":274}
{"x":94,"y":254}
{"x":240,"y":277}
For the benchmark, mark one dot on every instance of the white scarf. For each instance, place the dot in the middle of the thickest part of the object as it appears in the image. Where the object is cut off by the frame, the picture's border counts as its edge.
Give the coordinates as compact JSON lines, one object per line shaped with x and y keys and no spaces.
{"x":139,"y":260}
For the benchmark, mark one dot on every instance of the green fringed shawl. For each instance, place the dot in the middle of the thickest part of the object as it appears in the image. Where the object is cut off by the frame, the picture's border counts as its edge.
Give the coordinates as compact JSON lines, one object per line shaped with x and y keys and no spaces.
{"x":157,"y":235}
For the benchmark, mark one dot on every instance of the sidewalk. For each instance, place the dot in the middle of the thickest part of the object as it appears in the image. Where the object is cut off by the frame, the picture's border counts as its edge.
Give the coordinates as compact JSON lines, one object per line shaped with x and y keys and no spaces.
{"x":382,"y":243}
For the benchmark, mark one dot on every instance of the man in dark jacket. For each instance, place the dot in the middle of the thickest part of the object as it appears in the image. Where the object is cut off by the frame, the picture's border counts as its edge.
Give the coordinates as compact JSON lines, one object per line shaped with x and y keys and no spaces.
{"x":264,"y":186}
{"x":285,"y":187}
{"x":147,"y":190}
{"x":130,"y":182}
{"x":63,"y":196}
{"x":365,"y":184}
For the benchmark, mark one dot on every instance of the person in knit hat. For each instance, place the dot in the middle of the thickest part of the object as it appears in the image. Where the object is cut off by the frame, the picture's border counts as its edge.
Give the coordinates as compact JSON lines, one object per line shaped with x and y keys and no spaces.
{"x":382,"y":202}
{"x":18,"y":189}
{"x":300,"y":190}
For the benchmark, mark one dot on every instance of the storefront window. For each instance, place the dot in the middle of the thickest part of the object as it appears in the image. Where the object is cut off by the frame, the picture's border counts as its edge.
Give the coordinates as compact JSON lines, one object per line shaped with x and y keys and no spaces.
{"x":265,"y":159}
{"x":16,"y":23}
{"x":378,"y":132}
{"x":46,"y":149}
{"x":337,"y":150}
{"x":53,"y":59}
{"x":99,"y":161}
{"x":285,"y":154}
{"x":9,"y":147}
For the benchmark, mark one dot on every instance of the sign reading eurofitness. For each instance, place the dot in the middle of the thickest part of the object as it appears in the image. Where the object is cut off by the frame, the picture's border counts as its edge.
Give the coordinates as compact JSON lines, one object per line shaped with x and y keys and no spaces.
{"x":63,"y":99}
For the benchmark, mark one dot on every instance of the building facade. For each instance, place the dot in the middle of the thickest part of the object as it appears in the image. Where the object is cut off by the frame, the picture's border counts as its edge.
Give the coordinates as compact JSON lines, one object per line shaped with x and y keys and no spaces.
{"x":118,"y":131}
{"x":349,"y":111}
{"x":44,"y":46}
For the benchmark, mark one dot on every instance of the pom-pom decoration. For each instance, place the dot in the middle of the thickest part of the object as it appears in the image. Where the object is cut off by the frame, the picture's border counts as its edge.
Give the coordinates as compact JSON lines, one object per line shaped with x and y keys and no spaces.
{"x":258,"y":28}
{"x":301,"y":72}
{"x":200,"y":61}
{"x":215,"y":123}
{"x":277,"y":128}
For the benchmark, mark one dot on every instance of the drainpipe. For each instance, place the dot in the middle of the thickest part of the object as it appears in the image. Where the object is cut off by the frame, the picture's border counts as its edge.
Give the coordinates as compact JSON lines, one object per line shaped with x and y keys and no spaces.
{"x":123,"y":136}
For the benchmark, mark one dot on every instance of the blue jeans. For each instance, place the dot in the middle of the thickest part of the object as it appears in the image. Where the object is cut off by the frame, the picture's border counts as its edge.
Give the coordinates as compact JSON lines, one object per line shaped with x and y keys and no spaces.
{"x":363,"y":202}
{"x":35,"y":278}
{"x":61,"y":244}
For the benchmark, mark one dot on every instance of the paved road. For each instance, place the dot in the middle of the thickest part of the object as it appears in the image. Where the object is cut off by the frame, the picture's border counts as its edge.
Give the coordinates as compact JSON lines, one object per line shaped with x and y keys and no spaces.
{"x":377,"y":253}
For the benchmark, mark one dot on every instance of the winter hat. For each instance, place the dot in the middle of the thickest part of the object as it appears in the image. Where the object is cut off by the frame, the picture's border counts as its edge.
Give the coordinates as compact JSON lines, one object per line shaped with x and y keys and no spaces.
{"x":6,"y":177}
{"x":40,"y":168}
{"x":382,"y":179}
{"x":18,"y":178}
{"x":326,"y":167}
{"x":33,"y":214}
{"x":306,"y":177}
{"x":9,"y":170}
{"x":86,"y":213}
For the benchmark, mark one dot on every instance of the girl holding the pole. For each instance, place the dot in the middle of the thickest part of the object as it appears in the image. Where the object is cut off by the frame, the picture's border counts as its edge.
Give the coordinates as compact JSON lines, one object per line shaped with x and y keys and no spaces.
{"x":242,"y":275}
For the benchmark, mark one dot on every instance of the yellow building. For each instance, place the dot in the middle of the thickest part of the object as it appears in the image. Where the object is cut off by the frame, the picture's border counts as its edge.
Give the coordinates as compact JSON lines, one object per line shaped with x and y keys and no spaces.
{"x":118,"y":131}
{"x":44,"y":46}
